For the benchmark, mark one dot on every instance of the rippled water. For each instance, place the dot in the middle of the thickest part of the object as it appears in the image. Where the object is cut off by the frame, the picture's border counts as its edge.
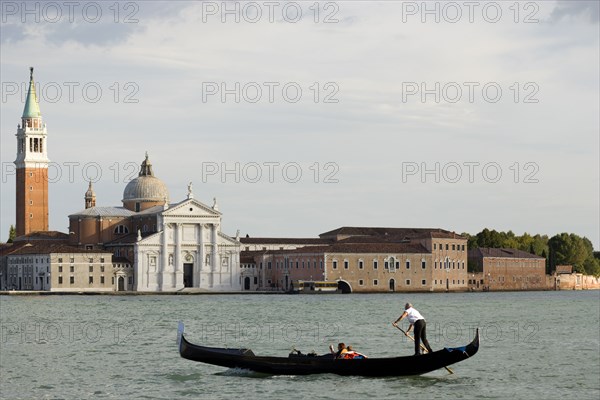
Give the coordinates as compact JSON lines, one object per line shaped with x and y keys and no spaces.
{"x":534,"y":345}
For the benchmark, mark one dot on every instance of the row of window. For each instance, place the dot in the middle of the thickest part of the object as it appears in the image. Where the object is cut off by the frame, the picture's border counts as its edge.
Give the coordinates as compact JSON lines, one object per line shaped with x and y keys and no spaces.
{"x":27,"y":260}
{"x":390,"y":265}
{"x":440,"y":246}
{"x":290,"y":264}
{"x":72,"y":268}
{"x":408,"y":282}
{"x":91,"y":280}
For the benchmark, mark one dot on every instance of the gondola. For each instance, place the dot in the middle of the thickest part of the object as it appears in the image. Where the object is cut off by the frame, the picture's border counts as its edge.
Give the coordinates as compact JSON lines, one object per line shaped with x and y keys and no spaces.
{"x":306,"y":364}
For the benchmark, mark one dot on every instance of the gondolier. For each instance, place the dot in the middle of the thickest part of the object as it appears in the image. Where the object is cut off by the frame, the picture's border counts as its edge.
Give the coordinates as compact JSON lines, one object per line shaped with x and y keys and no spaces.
{"x":415,"y":319}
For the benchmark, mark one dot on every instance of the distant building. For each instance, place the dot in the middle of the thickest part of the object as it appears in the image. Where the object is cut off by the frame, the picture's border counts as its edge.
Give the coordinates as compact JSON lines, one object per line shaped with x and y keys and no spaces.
{"x":31,"y":167}
{"x":506,"y":269}
{"x":362,"y":259}
{"x":172,"y":246}
{"x":38,"y":261}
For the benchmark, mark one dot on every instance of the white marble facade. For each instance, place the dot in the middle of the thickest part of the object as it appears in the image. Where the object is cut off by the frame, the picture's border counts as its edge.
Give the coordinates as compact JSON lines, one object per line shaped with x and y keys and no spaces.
{"x":188,"y":251}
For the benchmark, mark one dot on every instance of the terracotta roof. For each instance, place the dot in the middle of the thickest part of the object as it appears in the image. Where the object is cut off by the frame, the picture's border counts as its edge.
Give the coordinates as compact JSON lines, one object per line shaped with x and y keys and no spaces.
{"x":410,"y":233}
{"x":369,"y":248}
{"x":42,"y":235}
{"x":501,"y":253}
{"x":104,"y":212}
{"x":47,"y":248}
{"x":310,"y":241}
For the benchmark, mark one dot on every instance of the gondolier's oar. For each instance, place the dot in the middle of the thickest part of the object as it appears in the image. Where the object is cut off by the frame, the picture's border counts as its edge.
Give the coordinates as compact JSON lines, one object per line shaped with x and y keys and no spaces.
{"x":421,"y":345}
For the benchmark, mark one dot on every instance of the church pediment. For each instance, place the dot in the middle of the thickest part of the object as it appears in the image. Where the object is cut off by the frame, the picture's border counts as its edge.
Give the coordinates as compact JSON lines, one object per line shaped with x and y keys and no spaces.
{"x":191,"y":208}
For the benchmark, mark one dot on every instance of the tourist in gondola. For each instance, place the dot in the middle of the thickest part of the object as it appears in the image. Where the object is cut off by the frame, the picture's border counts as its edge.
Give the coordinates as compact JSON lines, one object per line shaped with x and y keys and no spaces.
{"x":340,"y":352}
{"x":415,"y":319}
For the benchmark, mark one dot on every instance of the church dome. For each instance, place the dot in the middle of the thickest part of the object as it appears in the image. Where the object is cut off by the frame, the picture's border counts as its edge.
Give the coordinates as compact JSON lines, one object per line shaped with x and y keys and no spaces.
{"x":146,"y":187}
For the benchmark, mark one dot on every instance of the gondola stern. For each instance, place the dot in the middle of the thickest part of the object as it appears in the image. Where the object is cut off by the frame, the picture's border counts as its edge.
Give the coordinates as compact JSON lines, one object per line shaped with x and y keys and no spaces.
{"x":180,"y":330}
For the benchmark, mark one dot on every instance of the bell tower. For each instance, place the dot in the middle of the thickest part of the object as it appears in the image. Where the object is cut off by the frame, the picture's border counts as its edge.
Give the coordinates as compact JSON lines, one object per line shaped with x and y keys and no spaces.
{"x":32,"y":167}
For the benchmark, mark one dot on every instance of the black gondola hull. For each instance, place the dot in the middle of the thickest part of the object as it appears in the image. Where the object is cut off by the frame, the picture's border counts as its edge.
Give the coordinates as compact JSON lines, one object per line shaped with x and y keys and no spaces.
{"x":306,"y":365}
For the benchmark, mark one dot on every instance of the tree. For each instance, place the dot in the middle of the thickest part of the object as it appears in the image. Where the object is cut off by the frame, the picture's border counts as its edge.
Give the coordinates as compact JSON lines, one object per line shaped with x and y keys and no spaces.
{"x":12,"y":234}
{"x":569,"y":249}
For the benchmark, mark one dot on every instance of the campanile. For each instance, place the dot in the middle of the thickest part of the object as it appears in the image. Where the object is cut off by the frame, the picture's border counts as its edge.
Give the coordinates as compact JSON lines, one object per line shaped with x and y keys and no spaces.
{"x":32,"y":167}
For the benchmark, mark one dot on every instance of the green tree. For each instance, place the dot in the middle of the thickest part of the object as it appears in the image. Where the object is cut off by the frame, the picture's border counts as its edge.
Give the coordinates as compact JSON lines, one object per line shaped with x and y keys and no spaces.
{"x":569,"y":249}
{"x":12,"y":234}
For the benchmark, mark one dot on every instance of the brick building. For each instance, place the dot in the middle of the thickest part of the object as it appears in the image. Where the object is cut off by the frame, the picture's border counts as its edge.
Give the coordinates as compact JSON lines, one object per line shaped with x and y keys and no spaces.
{"x":506,"y":269}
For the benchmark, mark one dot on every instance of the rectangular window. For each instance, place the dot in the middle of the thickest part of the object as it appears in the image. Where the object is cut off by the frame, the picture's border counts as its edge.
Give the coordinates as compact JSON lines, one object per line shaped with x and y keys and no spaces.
{"x":297,"y":264}
{"x":423,"y":282}
{"x":91,"y":280}
{"x":446,"y":246}
{"x":407,"y":264}
{"x":375,"y":264}
{"x":321,"y":263}
{"x":60,"y":268}
{"x":375,"y":282}
{"x":334,"y":264}
{"x":360,"y":264}
{"x":60,"y":280}
{"x":386,"y":265}
{"x":72,"y":268}
{"x":361,"y":282}
{"x":102,"y":259}
{"x":269,"y":265}
{"x":453,"y":247}
{"x":102,"y":280}
{"x":91,"y":268}
{"x":407,"y":282}
{"x":423,"y":264}
{"x":435,"y":246}
{"x":59,"y":259}
{"x":346,"y":264}
{"x":72,"y":280}
{"x":102,"y":268}
{"x":72,"y":260}
{"x":462,"y":247}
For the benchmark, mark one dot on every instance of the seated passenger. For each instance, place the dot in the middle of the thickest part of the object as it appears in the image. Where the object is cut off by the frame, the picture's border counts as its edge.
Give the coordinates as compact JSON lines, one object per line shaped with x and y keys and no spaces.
{"x":341,"y":350}
{"x":351,"y":354}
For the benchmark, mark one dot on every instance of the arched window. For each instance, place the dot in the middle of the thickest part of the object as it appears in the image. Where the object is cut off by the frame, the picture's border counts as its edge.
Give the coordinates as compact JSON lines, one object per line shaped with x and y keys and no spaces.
{"x":121,"y":229}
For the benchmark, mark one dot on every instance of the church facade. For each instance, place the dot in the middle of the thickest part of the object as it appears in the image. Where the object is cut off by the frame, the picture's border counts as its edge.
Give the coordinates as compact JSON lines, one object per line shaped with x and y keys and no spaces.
{"x":171,"y":246}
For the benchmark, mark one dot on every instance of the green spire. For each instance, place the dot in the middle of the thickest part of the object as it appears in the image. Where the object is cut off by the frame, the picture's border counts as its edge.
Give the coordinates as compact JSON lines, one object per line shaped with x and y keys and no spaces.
{"x":32,"y":108}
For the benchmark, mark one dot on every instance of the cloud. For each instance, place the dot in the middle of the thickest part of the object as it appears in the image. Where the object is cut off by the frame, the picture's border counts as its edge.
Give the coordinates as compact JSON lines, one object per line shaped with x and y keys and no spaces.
{"x":576,"y":9}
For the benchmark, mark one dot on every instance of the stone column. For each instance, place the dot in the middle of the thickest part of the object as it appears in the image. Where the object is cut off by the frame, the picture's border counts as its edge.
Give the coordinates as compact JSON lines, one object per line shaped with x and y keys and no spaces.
{"x":200,"y":254}
{"x":178,"y":262}
{"x":163,"y":266}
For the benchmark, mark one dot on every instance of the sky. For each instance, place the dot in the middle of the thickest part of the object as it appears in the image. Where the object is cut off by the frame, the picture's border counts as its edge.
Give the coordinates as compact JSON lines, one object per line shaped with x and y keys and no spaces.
{"x":301,"y":117}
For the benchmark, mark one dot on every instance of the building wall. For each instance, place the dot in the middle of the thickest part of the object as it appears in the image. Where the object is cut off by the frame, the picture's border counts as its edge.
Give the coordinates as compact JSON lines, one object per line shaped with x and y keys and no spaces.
{"x":83,"y":272}
{"x":28,"y":272}
{"x":381,"y":272}
{"x":31,"y":200}
{"x":576,"y":281}
{"x":504,"y":273}
{"x":449,"y":263}
{"x":95,"y":231}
